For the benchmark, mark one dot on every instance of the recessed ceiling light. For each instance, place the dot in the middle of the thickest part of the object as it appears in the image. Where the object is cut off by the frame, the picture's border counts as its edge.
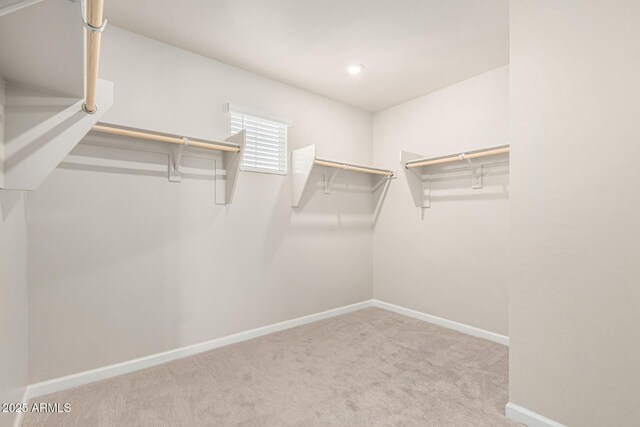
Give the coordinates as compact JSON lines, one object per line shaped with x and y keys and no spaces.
{"x":355,"y":68}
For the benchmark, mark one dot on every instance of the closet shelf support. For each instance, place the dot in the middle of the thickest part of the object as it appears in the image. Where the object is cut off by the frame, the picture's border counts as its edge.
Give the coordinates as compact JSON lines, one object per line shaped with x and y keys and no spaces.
{"x":476,"y":177}
{"x":175,"y":161}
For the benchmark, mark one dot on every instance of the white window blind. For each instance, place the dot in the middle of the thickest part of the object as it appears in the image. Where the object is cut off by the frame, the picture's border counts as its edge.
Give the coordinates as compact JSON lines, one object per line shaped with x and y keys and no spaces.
{"x":266,"y":144}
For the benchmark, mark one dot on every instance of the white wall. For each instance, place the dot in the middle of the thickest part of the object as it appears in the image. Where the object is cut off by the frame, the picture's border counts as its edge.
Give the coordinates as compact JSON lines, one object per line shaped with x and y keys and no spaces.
{"x":13,"y":301}
{"x":452,"y":263}
{"x":124,"y":264}
{"x":575,"y":283}
{"x":14,"y":319}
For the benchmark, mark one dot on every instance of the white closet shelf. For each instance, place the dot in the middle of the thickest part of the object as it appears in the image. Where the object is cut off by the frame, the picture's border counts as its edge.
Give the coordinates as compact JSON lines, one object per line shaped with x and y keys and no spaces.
{"x":456,"y":157}
{"x":42,"y":46}
{"x":231,"y":153}
{"x":303,"y":160}
{"x":416,"y":167}
{"x":164,"y":137}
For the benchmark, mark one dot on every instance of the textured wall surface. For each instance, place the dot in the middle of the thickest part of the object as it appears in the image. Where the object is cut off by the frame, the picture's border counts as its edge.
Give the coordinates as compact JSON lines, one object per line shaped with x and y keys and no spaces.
{"x":575,"y":209}
{"x":13,"y":301}
{"x":452,"y":263}
{"x":125,"y":264}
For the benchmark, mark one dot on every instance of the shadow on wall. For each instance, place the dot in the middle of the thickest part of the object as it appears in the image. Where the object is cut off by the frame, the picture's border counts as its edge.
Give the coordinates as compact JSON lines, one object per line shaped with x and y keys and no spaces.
{"x":350,"y":205}
{"x":454,"y":183}
{"x":357,"y":200}
{"x":8,"y":202}
{"x":140,"y":158}
{"x":130,"y":238}
{"x":34,"y":107}
{"x":159,"y":265}
{"x":352,"y":199}
{"x":345,"y":209}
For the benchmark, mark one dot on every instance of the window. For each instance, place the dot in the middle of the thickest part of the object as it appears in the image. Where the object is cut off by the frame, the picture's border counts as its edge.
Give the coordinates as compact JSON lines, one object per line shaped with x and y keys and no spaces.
{"x":266,"y":144}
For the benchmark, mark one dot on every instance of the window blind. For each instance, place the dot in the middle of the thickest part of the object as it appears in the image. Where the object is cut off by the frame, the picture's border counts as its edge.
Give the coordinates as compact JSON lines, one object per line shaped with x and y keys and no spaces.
{"x":266,"y":143}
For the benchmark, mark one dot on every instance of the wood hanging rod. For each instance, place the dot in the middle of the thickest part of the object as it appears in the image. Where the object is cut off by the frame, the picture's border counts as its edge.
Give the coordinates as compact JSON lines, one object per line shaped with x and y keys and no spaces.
{"x":352,"y":167}
{"x":220,"y":146}
{"x":94,"y":26}
{"x":491,"y":151}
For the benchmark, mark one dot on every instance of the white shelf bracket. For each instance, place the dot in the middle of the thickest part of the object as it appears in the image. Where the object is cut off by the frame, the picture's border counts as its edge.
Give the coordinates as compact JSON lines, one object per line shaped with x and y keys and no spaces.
{"x":419,"y":183}
{"x":228,"y":170}
{"x":426,"y":191}
{"x":476,"y":172}
{"x":328,"y":181}
{"x":175,"y":161}
{"x":426,"y":194}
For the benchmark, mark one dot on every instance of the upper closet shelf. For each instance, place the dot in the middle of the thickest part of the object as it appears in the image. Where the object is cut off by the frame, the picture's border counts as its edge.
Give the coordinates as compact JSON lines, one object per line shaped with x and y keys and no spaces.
{"x":466,"y":155}
{"x":416,"y":167}
{"x":231,"y":149}
{"x":42,"y":46}
{"x":303,"y":161}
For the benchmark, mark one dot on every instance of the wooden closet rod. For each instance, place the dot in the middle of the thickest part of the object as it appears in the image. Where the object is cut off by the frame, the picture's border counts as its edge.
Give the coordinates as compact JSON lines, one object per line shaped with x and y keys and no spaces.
{"x":492,"y":151}
{"x":165,"y":138}
{"x":94,"y":25}
{"x":352,"y":167}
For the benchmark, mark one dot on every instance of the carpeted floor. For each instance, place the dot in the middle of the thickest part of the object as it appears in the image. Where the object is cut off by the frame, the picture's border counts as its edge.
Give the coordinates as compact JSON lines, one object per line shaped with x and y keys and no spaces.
{"x":368,"y":368}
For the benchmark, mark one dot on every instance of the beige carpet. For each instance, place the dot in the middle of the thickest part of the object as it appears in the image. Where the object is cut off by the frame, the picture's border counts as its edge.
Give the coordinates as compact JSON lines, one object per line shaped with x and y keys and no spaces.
{"x":368,"y":368}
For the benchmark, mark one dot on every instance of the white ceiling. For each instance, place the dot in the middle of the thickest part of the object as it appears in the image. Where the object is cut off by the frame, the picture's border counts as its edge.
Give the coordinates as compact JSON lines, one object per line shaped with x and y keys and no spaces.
{"x":408,"y":47}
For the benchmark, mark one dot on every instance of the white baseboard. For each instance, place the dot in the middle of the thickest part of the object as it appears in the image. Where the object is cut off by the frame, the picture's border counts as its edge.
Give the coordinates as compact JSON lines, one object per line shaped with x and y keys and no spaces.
{"x":81,"y":378}
{"x":529,"y":418}
{"x":460,"y":327}
{"x":86,"y":377}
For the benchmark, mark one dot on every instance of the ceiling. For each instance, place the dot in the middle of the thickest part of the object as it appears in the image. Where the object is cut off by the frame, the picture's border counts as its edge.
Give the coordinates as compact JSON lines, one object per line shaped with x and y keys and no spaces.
{"x":408,"y":47}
